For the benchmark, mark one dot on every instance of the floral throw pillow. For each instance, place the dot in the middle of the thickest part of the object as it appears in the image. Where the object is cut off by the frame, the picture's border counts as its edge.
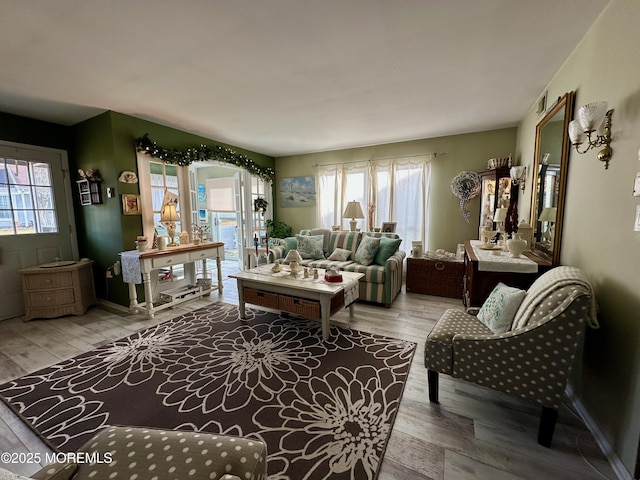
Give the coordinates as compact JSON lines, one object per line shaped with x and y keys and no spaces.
{"x":498,"y":310}
{"x":310,"y":246}
{"x":367,"y":250}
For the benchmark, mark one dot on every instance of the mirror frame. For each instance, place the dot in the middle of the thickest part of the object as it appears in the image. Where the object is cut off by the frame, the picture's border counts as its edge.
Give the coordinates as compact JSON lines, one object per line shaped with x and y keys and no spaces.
{"x":566,"y":102}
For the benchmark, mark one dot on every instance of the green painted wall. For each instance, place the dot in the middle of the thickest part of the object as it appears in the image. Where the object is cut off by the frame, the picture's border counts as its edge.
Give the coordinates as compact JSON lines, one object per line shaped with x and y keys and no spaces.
{"x":600,"y":211}
{"x":14,"y":128}
{"x":106,"y":142}
{"x":463,"y":152}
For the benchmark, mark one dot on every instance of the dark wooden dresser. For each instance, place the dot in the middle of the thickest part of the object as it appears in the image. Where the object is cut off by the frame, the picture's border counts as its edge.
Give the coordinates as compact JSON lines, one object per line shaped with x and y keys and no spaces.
{"x":478,"y":284}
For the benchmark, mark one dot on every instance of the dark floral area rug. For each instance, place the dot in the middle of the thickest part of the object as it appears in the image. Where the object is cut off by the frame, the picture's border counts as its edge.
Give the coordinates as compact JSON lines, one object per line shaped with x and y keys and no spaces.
{"x":324,"y":409}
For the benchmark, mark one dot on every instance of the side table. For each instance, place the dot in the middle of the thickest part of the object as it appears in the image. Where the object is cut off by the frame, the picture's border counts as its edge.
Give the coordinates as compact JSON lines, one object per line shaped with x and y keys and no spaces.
{"x":435,"y":276}
{"x":52,"y":291}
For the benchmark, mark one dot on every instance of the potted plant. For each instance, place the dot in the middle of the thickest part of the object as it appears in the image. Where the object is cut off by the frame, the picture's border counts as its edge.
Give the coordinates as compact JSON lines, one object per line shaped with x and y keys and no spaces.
{"x":278,"y":229}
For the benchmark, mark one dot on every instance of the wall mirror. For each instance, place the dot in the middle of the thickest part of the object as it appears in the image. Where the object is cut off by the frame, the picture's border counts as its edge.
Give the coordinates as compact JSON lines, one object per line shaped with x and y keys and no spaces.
{"x":550,"y":168}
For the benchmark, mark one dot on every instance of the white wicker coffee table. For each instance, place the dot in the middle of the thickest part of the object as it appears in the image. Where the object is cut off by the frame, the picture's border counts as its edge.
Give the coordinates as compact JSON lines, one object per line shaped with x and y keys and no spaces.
{"x":308,"y":297}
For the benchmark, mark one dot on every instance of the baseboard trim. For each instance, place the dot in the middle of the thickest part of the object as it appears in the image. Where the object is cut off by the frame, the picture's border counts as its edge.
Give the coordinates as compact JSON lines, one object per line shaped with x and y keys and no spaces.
{"x":113,"y":306}
{"x":616,"y":464}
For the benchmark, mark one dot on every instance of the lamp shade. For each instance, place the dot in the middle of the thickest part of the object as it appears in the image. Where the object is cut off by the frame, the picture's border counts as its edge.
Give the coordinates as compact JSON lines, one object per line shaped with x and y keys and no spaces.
{"x":575,"y":132}
{"x":517,"y":173}
{"x":548,"y":214}
{"x":592,"y":115}
{"x":293,"y":256}
{"x":169,"y":213}
{"x":353,"y":210}
{"x":500,"y":215}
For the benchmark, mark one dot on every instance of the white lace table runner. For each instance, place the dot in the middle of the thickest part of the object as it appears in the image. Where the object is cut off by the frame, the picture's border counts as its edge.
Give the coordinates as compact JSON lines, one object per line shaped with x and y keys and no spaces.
{"x":501,"y":261}
{"x":351,"y":286}
{"x":130,"y":261}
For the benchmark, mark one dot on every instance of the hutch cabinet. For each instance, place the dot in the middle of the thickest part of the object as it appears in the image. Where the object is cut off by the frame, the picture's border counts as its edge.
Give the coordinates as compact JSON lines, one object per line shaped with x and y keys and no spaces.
{"x":496,"y":192}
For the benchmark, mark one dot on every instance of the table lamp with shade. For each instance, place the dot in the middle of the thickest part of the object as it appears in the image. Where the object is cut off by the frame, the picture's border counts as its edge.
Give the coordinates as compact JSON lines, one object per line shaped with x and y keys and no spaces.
{"x":548,"y":215}
{"x":353,"y":211}
{"x":499,"y":217}
{"x":293,"y":258}
{"x":169,"y":216}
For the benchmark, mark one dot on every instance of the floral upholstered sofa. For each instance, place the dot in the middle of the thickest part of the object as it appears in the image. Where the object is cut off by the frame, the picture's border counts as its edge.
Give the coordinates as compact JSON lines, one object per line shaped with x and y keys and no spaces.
{"x":375,"y":254}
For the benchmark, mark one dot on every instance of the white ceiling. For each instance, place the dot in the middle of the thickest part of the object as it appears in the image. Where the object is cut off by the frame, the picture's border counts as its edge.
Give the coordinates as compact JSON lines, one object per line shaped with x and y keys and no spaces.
{"x":283,"y":77}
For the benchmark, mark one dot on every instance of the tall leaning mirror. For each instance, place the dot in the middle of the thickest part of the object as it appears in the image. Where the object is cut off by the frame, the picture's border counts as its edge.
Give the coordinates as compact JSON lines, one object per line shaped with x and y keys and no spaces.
{"x":550,"y":178}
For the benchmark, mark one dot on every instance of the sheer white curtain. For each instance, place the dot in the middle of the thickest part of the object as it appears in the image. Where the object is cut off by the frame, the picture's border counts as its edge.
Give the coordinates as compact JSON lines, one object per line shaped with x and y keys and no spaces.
{"x":395,"y":190}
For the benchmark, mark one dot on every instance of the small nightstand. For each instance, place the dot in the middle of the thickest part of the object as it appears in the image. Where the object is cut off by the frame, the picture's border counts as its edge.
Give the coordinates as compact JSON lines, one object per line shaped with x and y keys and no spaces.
{"x":54,"y":291}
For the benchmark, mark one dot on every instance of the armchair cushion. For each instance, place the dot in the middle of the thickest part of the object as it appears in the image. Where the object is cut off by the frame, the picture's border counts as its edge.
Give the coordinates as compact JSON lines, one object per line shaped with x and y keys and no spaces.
{"x":146,"y":454}
{"x":498,"y":310}
{"x":439,"y":346}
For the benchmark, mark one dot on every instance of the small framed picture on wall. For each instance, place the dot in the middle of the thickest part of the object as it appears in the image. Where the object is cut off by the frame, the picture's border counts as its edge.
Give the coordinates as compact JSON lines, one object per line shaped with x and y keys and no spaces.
{"x":131,"y":204}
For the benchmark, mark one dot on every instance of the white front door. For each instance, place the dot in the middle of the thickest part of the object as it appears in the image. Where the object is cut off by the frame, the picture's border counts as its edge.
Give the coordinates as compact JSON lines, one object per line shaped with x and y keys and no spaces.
{"x":36,"y":216}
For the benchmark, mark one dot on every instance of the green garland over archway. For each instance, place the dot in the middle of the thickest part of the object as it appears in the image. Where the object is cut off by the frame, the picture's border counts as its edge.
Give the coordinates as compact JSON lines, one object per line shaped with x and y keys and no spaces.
{"x":202,"y":153}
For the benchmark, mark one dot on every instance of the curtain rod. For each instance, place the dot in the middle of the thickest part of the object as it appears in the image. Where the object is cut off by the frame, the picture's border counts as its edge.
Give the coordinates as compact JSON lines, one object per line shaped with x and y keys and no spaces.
{"x":434,"y":155}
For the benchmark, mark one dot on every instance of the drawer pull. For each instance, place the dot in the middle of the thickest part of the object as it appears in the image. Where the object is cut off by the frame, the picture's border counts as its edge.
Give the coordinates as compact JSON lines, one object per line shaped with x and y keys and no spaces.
{"x":439,"y":266}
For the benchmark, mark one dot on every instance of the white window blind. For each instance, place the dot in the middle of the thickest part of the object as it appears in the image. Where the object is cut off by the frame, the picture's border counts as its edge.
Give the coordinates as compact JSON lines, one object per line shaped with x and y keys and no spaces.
{"x":221,"y":194}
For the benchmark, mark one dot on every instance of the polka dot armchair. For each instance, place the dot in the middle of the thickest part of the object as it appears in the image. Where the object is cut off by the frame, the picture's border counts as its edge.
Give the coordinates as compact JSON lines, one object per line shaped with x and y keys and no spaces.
{"x":533,"y":359}
{"x":147,"y":454}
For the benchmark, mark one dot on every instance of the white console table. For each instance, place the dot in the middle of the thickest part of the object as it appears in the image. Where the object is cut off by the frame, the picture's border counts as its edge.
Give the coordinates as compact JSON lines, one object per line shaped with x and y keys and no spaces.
{"x":153,"y":260}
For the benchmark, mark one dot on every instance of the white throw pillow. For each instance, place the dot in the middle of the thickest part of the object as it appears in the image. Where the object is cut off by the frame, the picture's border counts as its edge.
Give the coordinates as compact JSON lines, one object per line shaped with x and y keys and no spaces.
{"x":340,"y":255}
{"x":498,"y":310}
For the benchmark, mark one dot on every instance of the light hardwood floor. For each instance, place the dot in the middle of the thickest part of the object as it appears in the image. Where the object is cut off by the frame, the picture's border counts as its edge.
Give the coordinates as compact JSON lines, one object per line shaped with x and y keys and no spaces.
{"x":474,"y":433}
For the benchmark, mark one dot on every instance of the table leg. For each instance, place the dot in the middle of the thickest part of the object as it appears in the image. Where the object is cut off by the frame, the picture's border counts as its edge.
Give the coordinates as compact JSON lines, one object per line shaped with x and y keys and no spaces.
{"x":219,"y":268}
{"x":325,"y":313}
{"x":148,"y":296}
{"x":133,"y":297}
{"x":241,"y":299}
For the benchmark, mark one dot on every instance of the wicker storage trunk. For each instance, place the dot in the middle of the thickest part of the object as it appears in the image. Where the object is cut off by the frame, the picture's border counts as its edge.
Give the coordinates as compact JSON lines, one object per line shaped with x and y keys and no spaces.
{"x":441,"y":277}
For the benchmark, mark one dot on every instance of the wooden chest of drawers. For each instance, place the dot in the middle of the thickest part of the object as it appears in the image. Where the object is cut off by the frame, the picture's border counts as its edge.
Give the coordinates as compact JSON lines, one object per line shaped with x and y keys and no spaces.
{"x":51,"y":292}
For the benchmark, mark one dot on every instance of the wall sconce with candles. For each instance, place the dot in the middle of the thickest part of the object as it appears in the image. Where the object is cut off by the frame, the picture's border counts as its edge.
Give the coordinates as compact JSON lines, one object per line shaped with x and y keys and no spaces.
{"x":518,"y":176}
{"x":591,"y":117}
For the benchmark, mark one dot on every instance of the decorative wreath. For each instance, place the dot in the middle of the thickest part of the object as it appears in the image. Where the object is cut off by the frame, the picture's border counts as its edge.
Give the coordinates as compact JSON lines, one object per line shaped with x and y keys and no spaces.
{"x":465,"y":186}
{"x":260,"y":205}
